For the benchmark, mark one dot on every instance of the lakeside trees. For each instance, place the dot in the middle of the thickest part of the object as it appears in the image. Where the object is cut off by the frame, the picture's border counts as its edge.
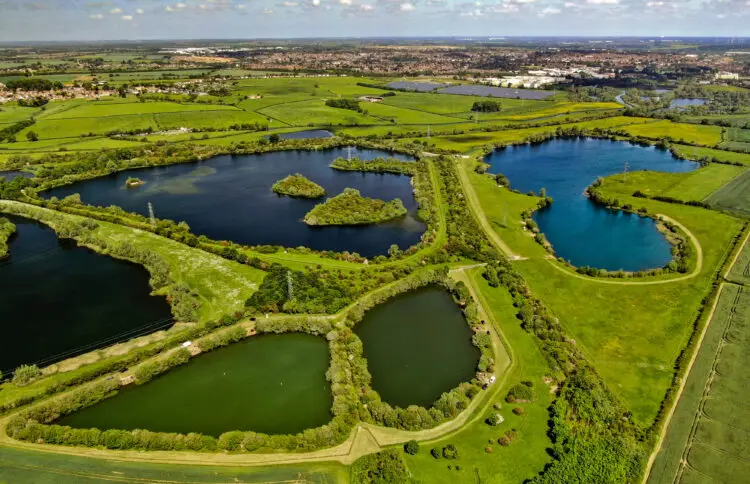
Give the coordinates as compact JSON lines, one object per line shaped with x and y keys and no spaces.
{"x":351,"y":208}
{"x":298,"y":186}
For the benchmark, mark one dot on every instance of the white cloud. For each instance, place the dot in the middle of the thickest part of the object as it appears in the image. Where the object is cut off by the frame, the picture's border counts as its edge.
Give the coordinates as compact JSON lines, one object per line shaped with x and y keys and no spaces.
{"x":180,"y":5}
{"x":549,"y":11}
{"x":345,"y":2}
{"x":366,"y":7}
{"x":127,"y":17}
{"x":96,"y":16}
{"x":267,"y":11}
{"x":316,"y":3}
{"x":602,"y":2}
{"x":290,"y":4}
{"x":240,"y":6}
{"x":522,"y":1}
{"x":407,"y":7}
{"x":139,"y":11}
{"x":115,"y":11}
{"x":168,"y":8}
{"x":473,"y":13}
{"x":570,"y":5}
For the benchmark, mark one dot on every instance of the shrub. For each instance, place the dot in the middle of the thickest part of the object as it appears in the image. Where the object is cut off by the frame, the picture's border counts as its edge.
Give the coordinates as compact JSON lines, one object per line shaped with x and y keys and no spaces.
{"x":494,"y":419}
{"x":519,"y":411}
{"x":411,"y":447}
{"x":450,"y":452}
{"x":521,"y":392}
{"x":436,"y":452}
{"x":26,"y":374}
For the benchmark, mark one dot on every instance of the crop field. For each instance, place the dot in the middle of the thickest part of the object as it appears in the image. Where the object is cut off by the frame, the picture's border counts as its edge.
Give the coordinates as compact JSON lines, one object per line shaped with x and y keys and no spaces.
{"x":709,"y":433}
{"x":734,"y":197}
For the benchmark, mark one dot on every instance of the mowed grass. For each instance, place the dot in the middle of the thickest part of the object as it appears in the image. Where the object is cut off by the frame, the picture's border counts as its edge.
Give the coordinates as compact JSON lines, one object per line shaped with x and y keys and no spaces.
{"x":733,"y":197}
{"x":633,"y":334}
{"x":525,"y":456}
{"x":21,"y":465}
{"x":708,"y":438}
{"x":703,"y":135}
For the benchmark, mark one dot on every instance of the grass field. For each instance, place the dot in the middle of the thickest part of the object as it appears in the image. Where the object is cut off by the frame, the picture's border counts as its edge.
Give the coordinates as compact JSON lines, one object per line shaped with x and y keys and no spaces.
{"x":18,"y":466}
{"x":709,"y":435}
{"x":698,"y":154}
{"x":692,"y":185}
{"x":703,"y":135}
{"x":734,"y":197}
{"x":634,"y":342}
{"x":101,"y":110}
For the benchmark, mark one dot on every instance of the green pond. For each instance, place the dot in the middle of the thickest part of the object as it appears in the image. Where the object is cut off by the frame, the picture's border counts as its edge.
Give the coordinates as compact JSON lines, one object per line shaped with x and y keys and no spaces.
{"x":417,"y":345}
{"x":272,"y":384}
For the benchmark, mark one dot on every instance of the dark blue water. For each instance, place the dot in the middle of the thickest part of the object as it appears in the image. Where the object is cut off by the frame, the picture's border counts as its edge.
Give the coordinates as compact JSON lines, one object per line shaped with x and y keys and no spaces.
{"x":582,"y":232}
{"x":59,"y":300}
{"x":10,"y":175}
{"x":307,"y":134}
{"x":230,"y":198}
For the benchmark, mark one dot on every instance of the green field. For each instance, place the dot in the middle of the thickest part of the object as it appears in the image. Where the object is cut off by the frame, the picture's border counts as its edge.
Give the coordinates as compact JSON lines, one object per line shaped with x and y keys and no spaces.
{"x":734,"y":197}
{"x":18,"y":466}
{"x":708,"y":436}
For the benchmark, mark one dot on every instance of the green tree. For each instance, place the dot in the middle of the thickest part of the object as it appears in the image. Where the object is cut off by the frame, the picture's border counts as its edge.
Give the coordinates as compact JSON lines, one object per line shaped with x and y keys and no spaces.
{"x":32,"y":136}
{"x":411,"y":447}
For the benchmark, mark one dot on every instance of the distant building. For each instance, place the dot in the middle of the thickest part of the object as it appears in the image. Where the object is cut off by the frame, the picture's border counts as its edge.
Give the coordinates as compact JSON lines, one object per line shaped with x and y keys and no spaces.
{"x":727,"y":76}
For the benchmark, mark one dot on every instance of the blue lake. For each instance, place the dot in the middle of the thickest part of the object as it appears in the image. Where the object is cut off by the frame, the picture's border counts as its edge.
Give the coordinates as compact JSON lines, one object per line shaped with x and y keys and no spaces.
{"x":582,"y":232}
{"x":230,"y":198}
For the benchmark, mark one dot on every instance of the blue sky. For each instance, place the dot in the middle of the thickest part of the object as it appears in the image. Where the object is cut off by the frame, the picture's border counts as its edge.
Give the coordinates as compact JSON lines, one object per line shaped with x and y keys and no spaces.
{"x":159,"y":19}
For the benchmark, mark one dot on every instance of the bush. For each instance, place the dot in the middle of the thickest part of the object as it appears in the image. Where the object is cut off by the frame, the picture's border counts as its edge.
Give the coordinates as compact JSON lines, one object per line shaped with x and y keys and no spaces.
{"x":519,"y":411}
{"x":25,"y":374}
{"x":521,"y":392}
{"x":436,"y":452}
{"x":494,"y":419}
{"x":411,"y":447}
{"x":385,"y":466}
{"x":450,"y":452}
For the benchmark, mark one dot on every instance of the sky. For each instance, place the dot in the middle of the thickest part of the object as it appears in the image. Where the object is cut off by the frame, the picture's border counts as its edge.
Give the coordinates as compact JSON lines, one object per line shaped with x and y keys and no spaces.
{"x":45,"y":20}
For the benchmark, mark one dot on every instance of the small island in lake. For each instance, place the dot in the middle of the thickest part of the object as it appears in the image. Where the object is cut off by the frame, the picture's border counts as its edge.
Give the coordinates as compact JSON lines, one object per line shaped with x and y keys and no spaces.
{"x":7,"y":228}
{"x":298,"y":186}
{"x":133,"y":182}
{"x":351,"y":208}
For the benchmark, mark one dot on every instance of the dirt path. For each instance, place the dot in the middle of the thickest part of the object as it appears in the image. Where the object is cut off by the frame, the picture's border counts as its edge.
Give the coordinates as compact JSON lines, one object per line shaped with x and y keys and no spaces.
{"x":668,"y":418}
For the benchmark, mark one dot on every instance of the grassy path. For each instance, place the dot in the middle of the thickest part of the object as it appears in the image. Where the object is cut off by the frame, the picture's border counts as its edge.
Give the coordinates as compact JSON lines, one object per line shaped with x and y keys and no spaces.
{"x":476,"y":210}
{"x":680,"y":390}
